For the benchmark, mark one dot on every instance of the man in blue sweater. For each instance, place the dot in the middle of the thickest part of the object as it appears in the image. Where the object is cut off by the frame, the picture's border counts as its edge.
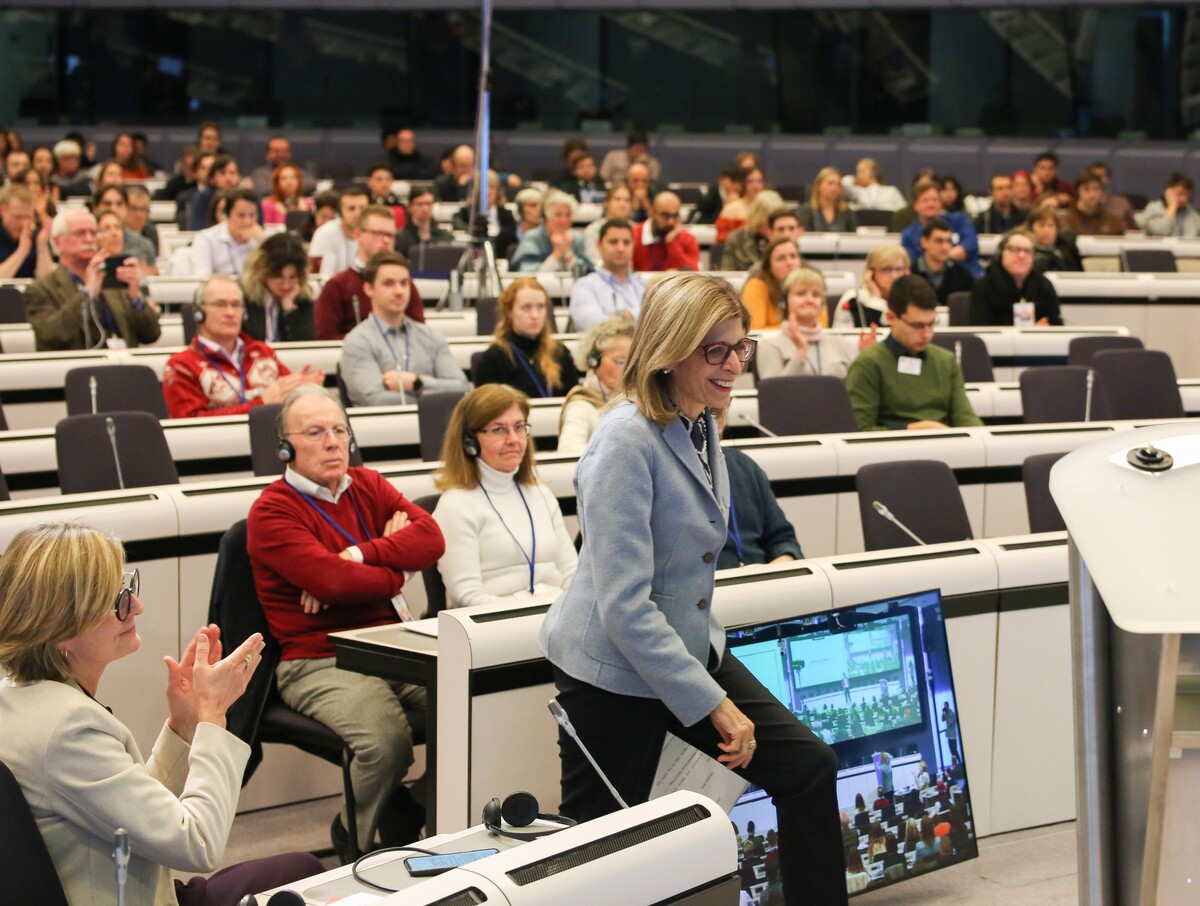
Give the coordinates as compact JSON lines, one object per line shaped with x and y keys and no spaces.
{"x":927,"y":204}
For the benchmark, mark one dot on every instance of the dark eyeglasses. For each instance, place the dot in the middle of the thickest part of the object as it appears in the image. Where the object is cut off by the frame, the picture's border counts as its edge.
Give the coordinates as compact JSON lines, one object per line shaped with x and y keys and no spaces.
{"x":717,"y":353}
{"x":131,"y":583}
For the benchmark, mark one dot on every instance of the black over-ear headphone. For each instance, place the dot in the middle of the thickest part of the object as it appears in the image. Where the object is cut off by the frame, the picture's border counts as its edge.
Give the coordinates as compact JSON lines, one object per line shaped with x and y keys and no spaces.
{"x":520,"y":810}
{"x":470,"y":446}
{"x":594,"y":357}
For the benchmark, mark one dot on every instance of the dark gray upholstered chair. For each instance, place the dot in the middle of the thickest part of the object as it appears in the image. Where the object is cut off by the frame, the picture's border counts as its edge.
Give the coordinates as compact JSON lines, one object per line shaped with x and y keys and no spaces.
{"x":433,"y":415}
{"x":976,"y":360}
{"x":27,"y":873}
{"x":485,"y":316}
{"x":187,"y":315}
{"x":1148,"y":261}
{"x":435,"y":588}
{"x":1138,"y":383}
{"x":921,"y":493}
{"x":1043,"y":511}
{"x":12,"y":305}
{"x":805,"y":404}
{"x":870,"y":217}
{"x":1058,"y":393}
{"x":1081,"y":349}
{"x":119,"y":388}
{"x":959,"y":304}
{"x":264,"y":442}
{"x":435,"y":260}
{"x":88,"y":447}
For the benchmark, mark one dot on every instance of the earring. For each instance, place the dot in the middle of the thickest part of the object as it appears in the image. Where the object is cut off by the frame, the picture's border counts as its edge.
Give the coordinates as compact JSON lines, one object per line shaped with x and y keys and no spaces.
{"x":666,"y":371}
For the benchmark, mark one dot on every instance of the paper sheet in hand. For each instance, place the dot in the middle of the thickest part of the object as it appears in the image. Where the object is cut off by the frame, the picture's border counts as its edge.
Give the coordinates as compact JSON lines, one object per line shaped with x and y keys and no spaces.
{"x":684,"y":767}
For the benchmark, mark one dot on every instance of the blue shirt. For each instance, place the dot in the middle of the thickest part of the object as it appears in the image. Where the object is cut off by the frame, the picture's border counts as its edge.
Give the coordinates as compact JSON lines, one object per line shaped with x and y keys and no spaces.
{"x":600,"y":295}
{"x":963,"y":233}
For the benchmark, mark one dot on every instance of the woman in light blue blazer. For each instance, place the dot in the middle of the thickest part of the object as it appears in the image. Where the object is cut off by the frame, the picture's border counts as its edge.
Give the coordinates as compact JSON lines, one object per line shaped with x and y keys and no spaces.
{"x":636,"y":649}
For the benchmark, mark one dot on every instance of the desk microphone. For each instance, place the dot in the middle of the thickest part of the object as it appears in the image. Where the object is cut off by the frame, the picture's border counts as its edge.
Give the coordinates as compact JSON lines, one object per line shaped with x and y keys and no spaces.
{"x":92,"y":389}
{"x":121,"y":857}
{"x":1087,"y":400}
{"x":958,"y":354}
{"x":111,"y":426}
{"x":753,"y":424}
{"x":887,"y":514}
{"x":564,"y":721}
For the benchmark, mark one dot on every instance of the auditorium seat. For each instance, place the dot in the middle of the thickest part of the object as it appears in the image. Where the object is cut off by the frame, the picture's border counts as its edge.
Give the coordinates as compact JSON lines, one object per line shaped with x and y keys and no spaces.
{"x":119,"y":388}
{"x":976,"y":360}
{"x":959,"y":304}
{"x":436,"y":261}
{"x":187,"y":315}
{"x":27,"y":874}
{"x":1138,"y":383}
{"x":264,"y":441}
{"x":1058,"y":393}
{"x":435,"y":588}
{"x":110,"y":451}
{"x":485,"y":316}
{"x":1043,"y":511}
{"x":12,"y":305}
{"x":433,"y":415}
{"x":870,"y":217}
{"x":1081,"y":349}
{"x":1148,"y":261}
{"x":921,"y":493}
{"x":805,"y":404}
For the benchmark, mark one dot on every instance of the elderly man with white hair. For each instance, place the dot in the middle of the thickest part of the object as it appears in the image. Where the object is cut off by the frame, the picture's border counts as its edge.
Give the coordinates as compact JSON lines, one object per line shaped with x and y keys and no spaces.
{"x":67,"y":176}
{"x":554,"y":246}
{"x":79,"y":304}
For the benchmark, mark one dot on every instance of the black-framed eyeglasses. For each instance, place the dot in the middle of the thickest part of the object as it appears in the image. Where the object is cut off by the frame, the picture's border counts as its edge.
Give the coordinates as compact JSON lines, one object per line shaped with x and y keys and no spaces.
{"x":131,"y":584}
{"x":718,"y":353}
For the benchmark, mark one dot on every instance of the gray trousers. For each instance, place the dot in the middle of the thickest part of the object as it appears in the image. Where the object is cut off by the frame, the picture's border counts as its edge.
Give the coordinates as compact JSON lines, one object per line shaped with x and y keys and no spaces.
{"x":369,"y":714}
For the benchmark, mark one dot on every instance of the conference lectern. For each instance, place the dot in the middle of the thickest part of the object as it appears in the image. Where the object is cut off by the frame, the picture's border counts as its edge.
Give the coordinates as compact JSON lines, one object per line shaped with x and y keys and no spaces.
{"x":1130,"y":503}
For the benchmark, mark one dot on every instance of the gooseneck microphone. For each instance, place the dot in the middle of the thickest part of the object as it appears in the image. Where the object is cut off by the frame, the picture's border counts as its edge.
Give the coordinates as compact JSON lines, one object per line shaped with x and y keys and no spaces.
{"x":888,"y":515}
{"x":92,"y":390}
{"x":111,"y":426}
{"x":1087,"y":400}
{"x":564,"y":721}
{"x":121,"y":858}
{"x":753,"y":424}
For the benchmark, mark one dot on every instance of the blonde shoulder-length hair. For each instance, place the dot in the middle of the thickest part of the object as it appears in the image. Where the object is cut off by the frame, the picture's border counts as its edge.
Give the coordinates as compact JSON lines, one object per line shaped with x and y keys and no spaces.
{"x":57,"y":581}
{"x":472,"y":414}
{"x":677,"y":315}
{"x":544,"y":355}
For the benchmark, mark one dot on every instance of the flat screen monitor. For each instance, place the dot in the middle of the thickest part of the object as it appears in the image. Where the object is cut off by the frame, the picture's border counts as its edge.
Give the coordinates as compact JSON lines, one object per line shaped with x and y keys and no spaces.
{"x":873,"y":681}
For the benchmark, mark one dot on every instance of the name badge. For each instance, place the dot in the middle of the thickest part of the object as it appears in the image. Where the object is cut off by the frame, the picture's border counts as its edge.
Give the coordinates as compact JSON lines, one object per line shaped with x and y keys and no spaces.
{"x":401,"y":608}
{"x":1023,"y":314}
{"x":908,"y":364}
{"x":116,"y":343}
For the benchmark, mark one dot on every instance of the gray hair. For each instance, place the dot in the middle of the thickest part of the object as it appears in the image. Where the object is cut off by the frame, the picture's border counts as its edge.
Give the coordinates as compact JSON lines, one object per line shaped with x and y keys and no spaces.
{"x":303,"y":390}
{"x":555,"y":198}
{"x":67,"y":148}
{"x":58,"y":225}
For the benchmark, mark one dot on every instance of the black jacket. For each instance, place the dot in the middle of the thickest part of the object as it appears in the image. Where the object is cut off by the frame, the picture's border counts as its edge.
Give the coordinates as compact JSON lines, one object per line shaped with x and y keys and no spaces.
{"x":956,"y":279}
{"x":294,"y":327}
{"x":994,"y":295}
{"x":765,"y":531}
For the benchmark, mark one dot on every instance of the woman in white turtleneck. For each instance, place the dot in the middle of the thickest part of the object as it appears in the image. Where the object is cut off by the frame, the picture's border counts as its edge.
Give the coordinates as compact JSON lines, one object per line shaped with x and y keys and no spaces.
{"x":801,"y":347}
{"x":505,"y":538}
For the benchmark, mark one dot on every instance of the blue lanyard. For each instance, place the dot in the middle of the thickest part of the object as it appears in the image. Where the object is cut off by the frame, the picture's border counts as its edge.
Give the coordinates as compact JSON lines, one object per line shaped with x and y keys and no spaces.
{"x":388,"y":340}
{"x":241,"y":367}
{"x":618,"y":288}
{"x":735,"y":533}
{"x":345,"y":534}
{"x":528,"y":366}
{"x":529,"y":558}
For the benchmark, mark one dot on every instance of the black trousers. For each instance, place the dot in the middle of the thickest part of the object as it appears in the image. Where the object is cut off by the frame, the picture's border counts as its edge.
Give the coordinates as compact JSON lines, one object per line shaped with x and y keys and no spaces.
{"x":625,"y":735}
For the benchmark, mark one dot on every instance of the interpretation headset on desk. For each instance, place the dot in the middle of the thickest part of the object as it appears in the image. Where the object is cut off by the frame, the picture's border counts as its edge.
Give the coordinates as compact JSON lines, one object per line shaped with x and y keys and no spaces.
{"x":520,"y":809}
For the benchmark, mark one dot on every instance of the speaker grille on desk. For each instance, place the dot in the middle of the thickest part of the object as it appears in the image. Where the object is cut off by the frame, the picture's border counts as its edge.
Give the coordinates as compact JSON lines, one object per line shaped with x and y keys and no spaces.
{"x":469,"y":897}
{"x":614,"y":843}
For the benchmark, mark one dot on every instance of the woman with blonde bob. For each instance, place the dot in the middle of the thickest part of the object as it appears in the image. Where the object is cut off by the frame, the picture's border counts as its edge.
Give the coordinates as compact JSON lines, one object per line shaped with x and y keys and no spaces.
{"x":827,"y":211}
{"x":802,"y":347}
{"x":66,"y":613}
{"x":633,"y":642}
{"x":525,"y":354}
{"x":505,"y":538}
{"x":864,"y":306}
{"x":601,"y":355}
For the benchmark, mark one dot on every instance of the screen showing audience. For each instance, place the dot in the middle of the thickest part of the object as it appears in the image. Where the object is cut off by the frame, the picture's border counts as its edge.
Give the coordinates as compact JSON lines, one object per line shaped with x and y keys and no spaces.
{"x":874,"y":682}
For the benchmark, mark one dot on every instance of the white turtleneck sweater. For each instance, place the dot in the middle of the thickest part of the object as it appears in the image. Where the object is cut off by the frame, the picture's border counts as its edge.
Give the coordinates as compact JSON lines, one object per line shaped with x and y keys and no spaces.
{"x":482,"y":563}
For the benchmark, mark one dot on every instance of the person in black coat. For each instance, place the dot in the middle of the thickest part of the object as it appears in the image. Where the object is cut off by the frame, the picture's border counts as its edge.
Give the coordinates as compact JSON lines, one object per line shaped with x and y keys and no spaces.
{"x":943,"y":273}
{"x":1053,"y":250}
{"x":1010,"y":279}
{"x":525,"y":354}
{"x":279,"y":304}
{"x":730,"y":184}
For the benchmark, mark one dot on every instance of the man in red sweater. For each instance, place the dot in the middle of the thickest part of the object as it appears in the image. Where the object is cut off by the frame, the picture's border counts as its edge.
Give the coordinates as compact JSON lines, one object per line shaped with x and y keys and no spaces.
{"x":661,"y":243}
{"x":331,"y":547}
{"x":225,"y":371}
{"x":342,"y":303}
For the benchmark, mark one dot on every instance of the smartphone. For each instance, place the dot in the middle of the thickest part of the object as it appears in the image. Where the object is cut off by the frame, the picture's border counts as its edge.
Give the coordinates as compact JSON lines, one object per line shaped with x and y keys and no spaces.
{"x":425,"y":866}
{"x":110,"y":280}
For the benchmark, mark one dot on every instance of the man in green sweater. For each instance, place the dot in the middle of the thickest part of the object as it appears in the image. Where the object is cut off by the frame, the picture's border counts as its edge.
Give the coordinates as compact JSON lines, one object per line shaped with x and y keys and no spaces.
{"x":906,"y":381}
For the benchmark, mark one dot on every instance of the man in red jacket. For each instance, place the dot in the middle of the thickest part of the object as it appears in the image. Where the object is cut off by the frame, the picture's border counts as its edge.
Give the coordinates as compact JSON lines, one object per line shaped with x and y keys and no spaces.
{"x":661,"y":243}
{"x":331,"y":547}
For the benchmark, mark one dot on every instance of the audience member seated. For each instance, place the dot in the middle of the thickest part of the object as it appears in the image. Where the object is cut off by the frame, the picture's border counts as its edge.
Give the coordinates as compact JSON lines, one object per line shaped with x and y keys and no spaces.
{"x":224,"y":371}
{"x":927,"y":204}
{"x":857,"y":878}
{"x":1023,"y":193}
{"x":45,"y":195}
{"x":927,"y":847}
{"x":110,"y":235}
{"x":67,"y":175}
{"x":388,"y":360}
{"x":642,"y":189}
{"x":584,"y":185}
{"x":186,"y":197}
{"x":501,"y":224}
{"x":906,"y":381}
{"x":601,"y":356}
{"x":379,"y":188}
{"x":140,"y":145}
{"x":758,"y":532}
{"x":342,"y":303}
{"x":736,"y":211}
{"x":334,"y":243}
{"x":762,"y":293}
{"x":1011,"y":291}
{"x":616,"y":163}
{"x":882,"y":801}
{"x":420,"y":229}
{"x":115,"y":198}
{"x":208,"y":138}
{"x":944,"y":274}
{"x":1087,"y":215}
{"x":866,"y":188}
{"x":613,"y":288}
{"x":408,"y":162}
{"x":1114,"y":203}
{"x":223,"y":175}
{"x":662,"y":243}
{"x":137,"y":216}
{"x":745,"y":245}
{"x":571,"y":149}
{"x":525,"y":354}
{"x":1053,"y":250}
{"x":24,"y":249}
{"x":827,"y":211}
{"x":1046,"y":181}
{"x":866,"y":304}
{"x":902,"y":218}
{"x":183,"y":177}
{"x":279,"y":306}
{"x":132,"y":166}
{"x":331,"y":548}
{"x":225,"y":248}
{"x":728,"y":186}
{"x":456,"y":185}
{"x":76,"y":307}
{"x":15,"y":163}
{"x":66,"y":613}
{"x":1173,"y":214}
{"x":505,"y":538}
{"x":287,"y":194}
{"x":554,"y":246}
{"x":1002,"y":214}
{"x":785,"y":222}
{"x":279,"y":154}
{"x":618,"y":205}
{"x":891,"y":854}
{"x":951,"y":192}
{"x":800,"y":347}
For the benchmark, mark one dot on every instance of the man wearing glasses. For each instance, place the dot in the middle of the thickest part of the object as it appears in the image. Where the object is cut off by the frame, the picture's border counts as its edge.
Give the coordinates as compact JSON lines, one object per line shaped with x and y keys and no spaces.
{"x":342,"y":303}
{"x":906,"y":381}
{"x":331,"y":548}
{"x":388,"y":360}
{"x":224,"y":370}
